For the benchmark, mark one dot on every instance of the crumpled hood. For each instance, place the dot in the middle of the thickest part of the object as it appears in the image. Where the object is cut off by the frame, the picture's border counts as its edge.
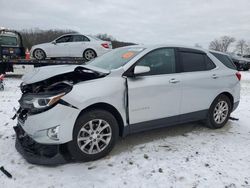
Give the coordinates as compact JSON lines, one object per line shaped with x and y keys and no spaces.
{"x":42,"y":73}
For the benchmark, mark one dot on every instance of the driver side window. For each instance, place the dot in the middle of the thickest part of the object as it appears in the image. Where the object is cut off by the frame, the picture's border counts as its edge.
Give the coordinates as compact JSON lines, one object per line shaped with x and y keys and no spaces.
{"x":67,"y":38}
{"x":160,"y":61}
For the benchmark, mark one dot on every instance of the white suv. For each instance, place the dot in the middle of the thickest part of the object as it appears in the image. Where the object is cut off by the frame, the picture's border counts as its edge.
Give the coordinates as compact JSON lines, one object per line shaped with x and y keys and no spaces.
{"x":81,"y":110}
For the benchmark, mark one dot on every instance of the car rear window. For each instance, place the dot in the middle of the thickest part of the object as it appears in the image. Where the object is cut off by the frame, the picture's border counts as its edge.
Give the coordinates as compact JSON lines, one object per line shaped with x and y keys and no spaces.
{"x":8,"y":40}
{"x":225,"y":60}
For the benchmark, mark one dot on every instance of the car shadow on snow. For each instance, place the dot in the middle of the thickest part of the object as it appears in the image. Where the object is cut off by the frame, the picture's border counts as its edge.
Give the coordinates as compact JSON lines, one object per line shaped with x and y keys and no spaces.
{"x":183,"y":130}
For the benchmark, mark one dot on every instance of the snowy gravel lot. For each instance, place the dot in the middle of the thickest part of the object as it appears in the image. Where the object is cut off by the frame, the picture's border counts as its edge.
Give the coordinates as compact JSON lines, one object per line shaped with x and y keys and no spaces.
{"x":187,"y":155}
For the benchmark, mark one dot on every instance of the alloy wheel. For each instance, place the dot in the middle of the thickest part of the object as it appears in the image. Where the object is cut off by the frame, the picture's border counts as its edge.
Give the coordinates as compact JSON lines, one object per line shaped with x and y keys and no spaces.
{"x":89,"y":54}
{"x":39,"y":54}
{"x":221,"y":112}
{"x":94,"y":136}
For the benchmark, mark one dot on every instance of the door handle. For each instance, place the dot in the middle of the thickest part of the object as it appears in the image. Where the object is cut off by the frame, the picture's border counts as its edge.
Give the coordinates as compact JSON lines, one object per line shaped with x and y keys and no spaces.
{"x":173,"y":81}
{"x":214,"y":76}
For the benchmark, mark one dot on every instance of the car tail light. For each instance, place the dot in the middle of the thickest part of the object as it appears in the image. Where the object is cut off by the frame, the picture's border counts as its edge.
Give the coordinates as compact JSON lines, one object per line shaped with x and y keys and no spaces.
{"x":105,"y":45}
{"x":238,"y":75}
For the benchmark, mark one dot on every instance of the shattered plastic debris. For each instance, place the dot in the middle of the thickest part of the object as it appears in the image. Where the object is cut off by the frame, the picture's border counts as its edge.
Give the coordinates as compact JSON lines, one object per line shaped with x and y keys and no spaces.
{"x":5,"y":172}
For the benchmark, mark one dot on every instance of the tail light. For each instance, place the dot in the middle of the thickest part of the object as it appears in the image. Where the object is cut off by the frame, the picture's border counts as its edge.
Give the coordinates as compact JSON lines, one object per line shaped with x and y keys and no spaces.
{"x":105,"y":45}
{"x":238,"y":75}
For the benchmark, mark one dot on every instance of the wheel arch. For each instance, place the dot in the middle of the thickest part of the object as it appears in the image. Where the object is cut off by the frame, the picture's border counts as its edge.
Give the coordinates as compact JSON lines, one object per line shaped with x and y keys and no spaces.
{"x":89,"y":49}
{"x":109,"y":108}
{"x":229,"y":95}
{"x":39,"y":48}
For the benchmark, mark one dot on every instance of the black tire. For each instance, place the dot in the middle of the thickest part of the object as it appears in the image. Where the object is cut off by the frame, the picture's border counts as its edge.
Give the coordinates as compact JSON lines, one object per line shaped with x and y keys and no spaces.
{"x":210,"y":121}
{"x":73,"y":146}
{"x":42,"y":55}
{"x":1,"y":87}
{"x":245,"y":69}
{"x":89,"y":54}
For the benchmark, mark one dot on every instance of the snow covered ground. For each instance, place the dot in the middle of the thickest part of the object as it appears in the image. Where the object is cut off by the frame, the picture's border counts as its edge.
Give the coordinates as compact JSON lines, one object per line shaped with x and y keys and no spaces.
{"x":188,"y":155}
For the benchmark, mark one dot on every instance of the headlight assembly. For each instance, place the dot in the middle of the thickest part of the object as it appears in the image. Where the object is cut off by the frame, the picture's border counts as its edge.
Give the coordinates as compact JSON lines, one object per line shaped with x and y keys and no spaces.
{"x":38,"y":103}
{"x":46,"y":101}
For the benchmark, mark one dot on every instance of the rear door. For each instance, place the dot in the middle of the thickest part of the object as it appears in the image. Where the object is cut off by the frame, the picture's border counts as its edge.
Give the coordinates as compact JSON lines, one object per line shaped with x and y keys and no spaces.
{"x":198,"y":80}
{"x":78,"y":45}
{"x":157,"y":94}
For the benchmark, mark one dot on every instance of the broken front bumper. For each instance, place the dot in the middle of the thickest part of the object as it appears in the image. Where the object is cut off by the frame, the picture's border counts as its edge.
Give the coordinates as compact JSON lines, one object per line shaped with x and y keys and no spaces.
{"x":36,"y":153}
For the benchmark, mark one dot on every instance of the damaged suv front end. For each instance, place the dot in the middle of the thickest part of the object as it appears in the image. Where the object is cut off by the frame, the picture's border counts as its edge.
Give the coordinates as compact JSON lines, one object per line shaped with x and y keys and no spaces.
{"x":45,"y":118}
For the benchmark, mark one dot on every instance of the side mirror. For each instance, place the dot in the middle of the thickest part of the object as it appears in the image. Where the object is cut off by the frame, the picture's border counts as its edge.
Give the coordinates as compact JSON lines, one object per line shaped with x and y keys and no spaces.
{"x":141,"y":69}
{"x":53,"y":42}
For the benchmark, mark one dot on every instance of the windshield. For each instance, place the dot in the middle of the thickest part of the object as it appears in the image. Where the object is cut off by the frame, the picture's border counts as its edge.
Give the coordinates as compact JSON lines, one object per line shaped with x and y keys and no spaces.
{"x":8,"y":40}
{"x":116,"y":58}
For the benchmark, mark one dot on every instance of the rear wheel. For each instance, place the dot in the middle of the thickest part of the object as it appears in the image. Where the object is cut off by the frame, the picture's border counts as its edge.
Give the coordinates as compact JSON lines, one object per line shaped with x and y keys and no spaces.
{"x":1,"y":86}
{"x":39,"y":54}
{"x":245,"y":69}
{"x":219,"y":112}
{"x":94,"y":135}
{"x":89,"y":54}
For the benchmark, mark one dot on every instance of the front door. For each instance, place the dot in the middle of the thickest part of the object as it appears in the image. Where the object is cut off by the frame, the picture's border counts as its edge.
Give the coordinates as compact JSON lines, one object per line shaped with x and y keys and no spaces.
{"x":155,"y":95}
{"x":62,"y":47}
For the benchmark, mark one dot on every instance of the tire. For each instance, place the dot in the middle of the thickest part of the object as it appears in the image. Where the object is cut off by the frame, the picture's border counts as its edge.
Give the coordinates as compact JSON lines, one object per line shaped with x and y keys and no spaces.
{"x":245,"y":69}
{"x":86,"y":139}
{"x":39,"y":54}
{"x":218,"y":121}
{"x":89,"y":54}
{"x":1,"y":86}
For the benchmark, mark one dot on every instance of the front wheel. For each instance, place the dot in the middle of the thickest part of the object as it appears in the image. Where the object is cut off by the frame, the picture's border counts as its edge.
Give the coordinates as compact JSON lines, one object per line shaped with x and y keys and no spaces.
{"x":94,"y":135}
{"x":219,"y":112}
{"x":39,"y":54}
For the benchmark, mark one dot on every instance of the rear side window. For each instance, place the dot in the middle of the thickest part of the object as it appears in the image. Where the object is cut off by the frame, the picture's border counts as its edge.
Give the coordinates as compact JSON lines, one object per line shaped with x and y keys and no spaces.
{"x":191,"y":62}
{"x":79,"y":38}
{"x":225,"y":60}
{"x":209,"y":63}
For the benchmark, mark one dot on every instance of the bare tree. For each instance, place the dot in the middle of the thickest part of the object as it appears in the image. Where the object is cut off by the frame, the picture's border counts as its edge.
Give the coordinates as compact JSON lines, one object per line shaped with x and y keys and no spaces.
{"x":105,"y":36}
{"x":115,"y":43}
{"x":241,"y":47}
{"x":247,"y":52}
{"x":215,"y":45}
{"x":221,"y":44}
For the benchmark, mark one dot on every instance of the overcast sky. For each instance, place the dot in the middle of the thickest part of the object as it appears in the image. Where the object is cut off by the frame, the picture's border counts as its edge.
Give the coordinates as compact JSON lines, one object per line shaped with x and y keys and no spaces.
{"x":141,"y":21}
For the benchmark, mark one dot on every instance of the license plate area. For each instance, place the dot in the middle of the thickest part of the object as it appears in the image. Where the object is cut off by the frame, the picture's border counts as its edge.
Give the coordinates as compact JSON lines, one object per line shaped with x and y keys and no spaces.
{"x":11,"y":50}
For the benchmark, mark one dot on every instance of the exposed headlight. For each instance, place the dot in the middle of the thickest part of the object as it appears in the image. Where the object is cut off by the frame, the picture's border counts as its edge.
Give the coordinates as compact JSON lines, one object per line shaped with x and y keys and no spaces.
{"x":46,"y":101}
{"x":38,"y":103}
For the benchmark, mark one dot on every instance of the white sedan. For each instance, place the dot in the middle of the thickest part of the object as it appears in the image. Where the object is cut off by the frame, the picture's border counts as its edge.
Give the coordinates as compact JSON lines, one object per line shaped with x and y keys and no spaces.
{"x":71,"y":45}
